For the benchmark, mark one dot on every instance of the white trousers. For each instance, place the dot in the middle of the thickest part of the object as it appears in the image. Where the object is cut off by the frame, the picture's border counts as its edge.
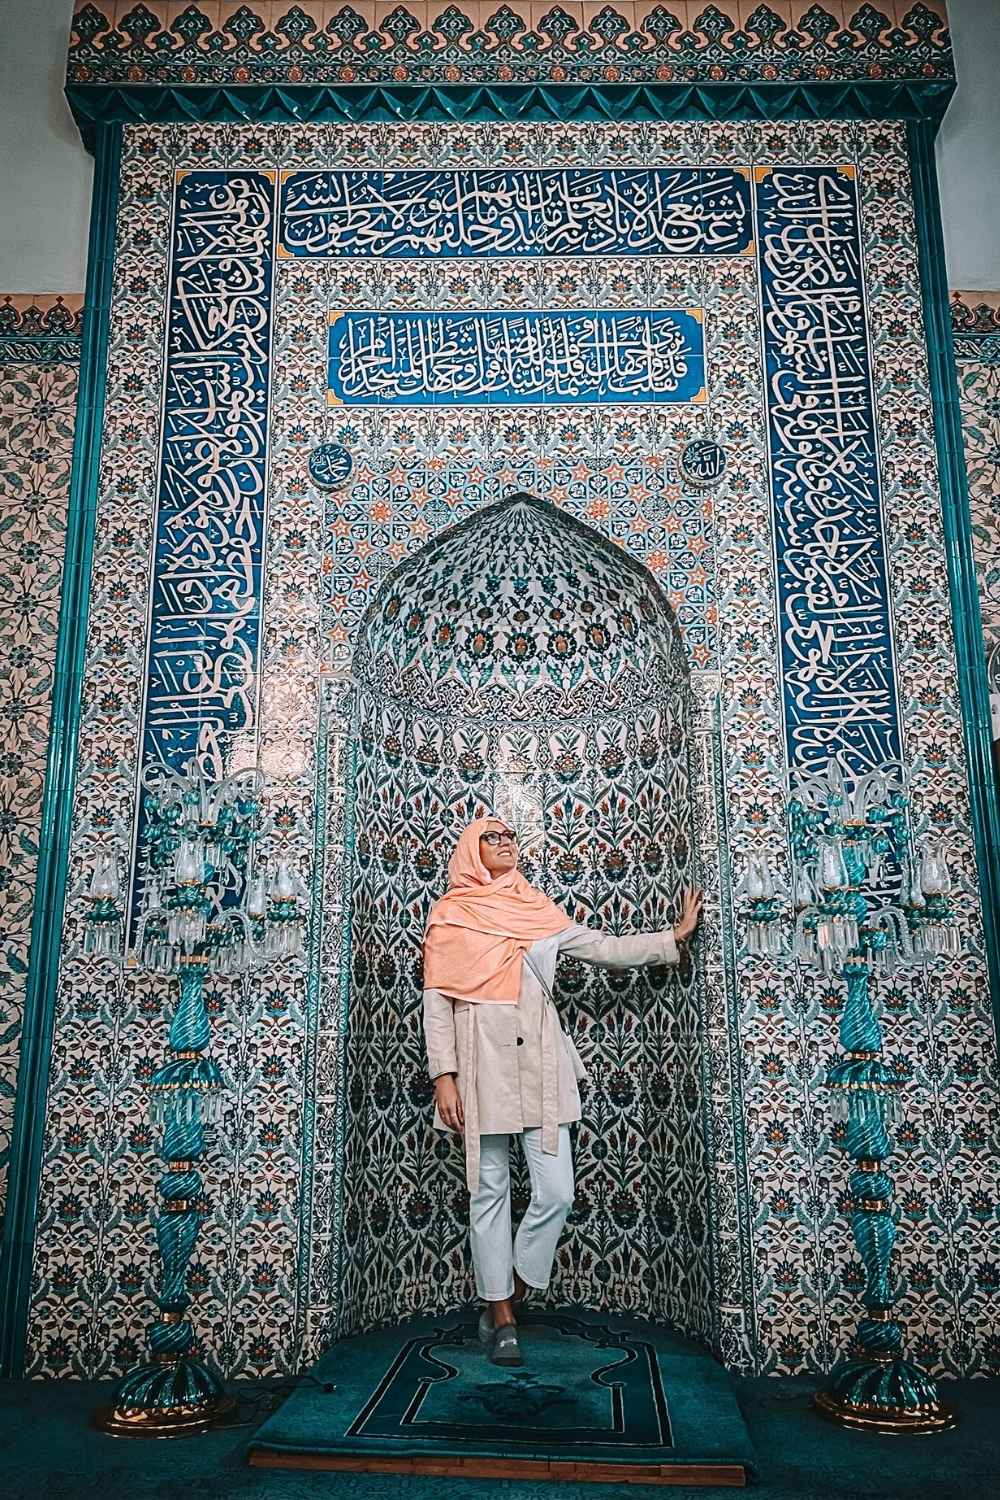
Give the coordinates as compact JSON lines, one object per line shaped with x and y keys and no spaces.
{"x":533,"y":1251}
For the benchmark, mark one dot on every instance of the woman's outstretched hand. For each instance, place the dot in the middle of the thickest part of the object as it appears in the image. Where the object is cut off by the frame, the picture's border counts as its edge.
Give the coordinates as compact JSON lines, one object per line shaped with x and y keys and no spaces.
{"x":449,"y":1101}
{"x":690,"y":915}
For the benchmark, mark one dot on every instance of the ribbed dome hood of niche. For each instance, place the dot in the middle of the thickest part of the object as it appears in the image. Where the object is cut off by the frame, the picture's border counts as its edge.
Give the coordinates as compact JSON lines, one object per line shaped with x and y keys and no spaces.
{"x":521,"y":610}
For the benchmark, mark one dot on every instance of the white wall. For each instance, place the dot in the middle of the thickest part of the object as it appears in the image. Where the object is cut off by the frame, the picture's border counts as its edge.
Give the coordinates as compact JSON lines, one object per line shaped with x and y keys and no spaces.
{"x":969,"y":149}
{"x":45,"y":174}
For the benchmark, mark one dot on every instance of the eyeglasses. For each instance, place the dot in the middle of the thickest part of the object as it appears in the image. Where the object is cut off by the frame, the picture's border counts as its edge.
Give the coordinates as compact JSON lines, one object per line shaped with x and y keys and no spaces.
{"x":494,"y":839}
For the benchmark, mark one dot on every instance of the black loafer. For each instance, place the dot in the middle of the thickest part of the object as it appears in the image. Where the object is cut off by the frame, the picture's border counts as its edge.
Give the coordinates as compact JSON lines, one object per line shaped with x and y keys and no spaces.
{"x":506,"y":1348}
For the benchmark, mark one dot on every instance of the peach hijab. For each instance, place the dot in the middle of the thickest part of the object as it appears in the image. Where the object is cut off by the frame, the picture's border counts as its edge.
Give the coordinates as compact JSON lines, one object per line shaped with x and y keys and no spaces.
{"x":478,"y":930}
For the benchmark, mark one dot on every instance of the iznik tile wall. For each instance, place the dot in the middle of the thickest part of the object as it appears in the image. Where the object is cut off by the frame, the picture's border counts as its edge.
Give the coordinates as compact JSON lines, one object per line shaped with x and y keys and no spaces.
{"x":39,"y":365}
{"x":976,"y":329}
{"x":523,"y":662}
{"x":458,"y":379}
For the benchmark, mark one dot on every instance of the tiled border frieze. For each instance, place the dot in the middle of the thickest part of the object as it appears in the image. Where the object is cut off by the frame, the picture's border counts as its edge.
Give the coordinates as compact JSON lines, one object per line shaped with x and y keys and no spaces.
{"x":39,"y":372}
{"x":317,"y":42}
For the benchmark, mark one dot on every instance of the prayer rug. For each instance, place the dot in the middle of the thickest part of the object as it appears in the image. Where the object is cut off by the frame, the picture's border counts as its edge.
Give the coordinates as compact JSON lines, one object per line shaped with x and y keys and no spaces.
{"x":599,"y":1397}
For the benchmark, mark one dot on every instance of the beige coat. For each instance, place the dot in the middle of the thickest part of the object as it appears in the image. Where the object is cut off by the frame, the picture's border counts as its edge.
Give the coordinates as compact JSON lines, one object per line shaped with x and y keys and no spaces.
{"x":516,"y":1068}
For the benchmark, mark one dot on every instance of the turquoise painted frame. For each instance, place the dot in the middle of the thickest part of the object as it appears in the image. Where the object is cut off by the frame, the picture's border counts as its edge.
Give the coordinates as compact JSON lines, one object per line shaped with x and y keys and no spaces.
{"x":28,"y":1132}
{"x":93,"y":104}
{"x":100,"y":114}
{"x":970,"y":650}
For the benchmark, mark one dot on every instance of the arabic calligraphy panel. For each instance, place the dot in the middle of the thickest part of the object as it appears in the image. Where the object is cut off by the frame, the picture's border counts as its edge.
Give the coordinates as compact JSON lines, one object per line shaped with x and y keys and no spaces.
{"x":204,"y":633}
{"x":517,"y":359}
{"x":702,"y":462}
{"x":833,"y":600}
{"x":574,"y":211}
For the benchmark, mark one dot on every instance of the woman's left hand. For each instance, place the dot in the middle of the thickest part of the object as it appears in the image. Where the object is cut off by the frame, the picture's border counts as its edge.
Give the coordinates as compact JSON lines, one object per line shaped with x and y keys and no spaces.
{"x":690,"y":915}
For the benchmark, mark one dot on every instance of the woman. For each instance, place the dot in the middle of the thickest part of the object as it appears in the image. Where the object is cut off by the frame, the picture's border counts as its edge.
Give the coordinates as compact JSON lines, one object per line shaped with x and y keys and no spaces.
{"x":500,"y":1061}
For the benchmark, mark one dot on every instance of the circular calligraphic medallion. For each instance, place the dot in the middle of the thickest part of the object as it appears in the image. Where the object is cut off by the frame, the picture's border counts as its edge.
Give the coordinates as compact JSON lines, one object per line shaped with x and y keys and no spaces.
{"x":330,"y":466}
{"x":702,"y":462}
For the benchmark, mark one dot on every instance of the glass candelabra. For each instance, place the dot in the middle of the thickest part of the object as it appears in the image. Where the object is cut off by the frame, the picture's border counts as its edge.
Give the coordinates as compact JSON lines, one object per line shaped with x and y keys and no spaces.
{"x":863,"y":901}
{"x":207,"y":908}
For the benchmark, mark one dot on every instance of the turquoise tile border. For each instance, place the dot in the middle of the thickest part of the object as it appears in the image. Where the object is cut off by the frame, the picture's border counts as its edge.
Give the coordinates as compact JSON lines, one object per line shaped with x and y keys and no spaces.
{"x":39,"y":351}
{"x":967,"y":621}
{"x":29,"y":1110}
{"x":356,"y":103}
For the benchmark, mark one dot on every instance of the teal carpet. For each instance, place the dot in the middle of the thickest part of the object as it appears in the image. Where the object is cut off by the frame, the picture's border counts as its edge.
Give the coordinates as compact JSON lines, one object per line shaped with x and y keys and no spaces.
{"x":594,"y":1388}
{"x":48,"y":1451}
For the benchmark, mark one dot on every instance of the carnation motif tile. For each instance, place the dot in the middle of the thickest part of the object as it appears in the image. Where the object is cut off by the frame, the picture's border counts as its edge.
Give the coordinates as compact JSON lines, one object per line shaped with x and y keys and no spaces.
{"x":759,"y":20}
{"x":976,"y":329}
{"x":39,"y":355}
{"x":244,"y":44}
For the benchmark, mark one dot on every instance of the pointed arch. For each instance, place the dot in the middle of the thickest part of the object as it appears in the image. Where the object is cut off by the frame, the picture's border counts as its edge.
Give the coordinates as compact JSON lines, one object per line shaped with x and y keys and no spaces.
{"x":521,"y":655}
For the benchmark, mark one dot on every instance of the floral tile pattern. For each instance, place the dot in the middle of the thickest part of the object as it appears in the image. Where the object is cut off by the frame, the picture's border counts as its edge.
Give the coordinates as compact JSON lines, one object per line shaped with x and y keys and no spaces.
{"x":171,"y":41}
{"x":976,"y":327}
{"x":617,"y":472}
{"x":39,"y":367}
{"x":582,"y":732}
{"x":270,"y":1277}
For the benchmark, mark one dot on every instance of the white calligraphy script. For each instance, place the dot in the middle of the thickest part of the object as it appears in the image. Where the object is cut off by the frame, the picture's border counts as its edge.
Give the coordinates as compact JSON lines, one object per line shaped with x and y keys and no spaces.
{"x":837,"y":656}
{"x":206,"y":593}
{"x":521,"y":356}
{"x":570,"y":211}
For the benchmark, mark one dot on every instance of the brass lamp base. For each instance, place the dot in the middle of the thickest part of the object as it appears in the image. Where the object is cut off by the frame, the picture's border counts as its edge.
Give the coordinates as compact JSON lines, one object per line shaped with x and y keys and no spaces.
{"x":870,"y":1418}
{"x":165,"y":1422}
